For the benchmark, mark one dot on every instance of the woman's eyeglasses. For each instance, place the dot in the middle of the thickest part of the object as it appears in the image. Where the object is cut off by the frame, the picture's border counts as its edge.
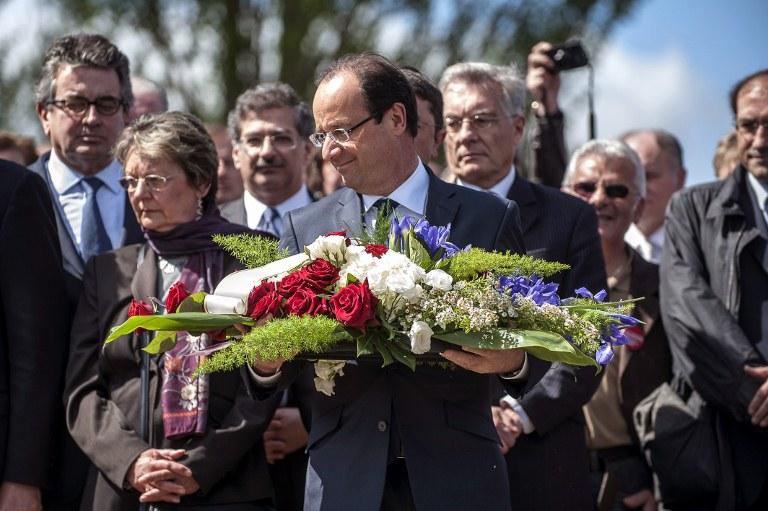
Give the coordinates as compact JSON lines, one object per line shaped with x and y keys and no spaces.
{"x":587,"y":188}
{"x":154,"y":182}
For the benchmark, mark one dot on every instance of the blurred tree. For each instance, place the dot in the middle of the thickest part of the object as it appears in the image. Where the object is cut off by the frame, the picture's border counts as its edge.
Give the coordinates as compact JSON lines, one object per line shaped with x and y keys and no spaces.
{"x":208,"y":51}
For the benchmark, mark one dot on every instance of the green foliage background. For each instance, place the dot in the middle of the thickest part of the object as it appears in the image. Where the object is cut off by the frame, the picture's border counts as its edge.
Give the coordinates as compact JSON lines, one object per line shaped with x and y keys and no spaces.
{"x":207,"y":52}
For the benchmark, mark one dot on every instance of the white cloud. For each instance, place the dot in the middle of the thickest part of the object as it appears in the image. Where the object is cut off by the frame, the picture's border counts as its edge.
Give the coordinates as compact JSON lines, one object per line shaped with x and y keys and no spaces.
{"x":642,"y":90}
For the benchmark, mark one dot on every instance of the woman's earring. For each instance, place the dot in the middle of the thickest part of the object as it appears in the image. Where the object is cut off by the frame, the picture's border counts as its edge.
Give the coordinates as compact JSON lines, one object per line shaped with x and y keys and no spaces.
{"x":199,"y":214}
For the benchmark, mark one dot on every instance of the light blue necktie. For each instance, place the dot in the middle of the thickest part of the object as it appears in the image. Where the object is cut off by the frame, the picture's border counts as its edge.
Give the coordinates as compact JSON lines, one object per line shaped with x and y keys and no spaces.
{"x":93,"y":236}
{"x":271,"y":222}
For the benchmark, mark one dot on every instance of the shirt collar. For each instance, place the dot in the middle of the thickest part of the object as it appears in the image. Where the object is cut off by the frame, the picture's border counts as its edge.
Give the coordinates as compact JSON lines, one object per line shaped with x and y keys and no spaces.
{"x":254,"y":208}
{"x":501,"y":188}
{"x":64,"y":178}
{"x":411,"y":194}
{"x":760,"y":190}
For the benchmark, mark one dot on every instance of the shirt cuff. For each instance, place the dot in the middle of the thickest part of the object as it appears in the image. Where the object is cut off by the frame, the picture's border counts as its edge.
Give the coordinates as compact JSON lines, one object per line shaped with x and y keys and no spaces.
{"x":520,"y":374}
{"x":510,"y":402}
{"x":264,"y":381}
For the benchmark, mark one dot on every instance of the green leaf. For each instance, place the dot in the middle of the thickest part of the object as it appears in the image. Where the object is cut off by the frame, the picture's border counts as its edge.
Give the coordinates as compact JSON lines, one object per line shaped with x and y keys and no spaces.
{"x":543,"y":345}
{"x":402,"y":354}
{"x":193,"y":303}
{"x":417,"y":252}
{"x":162,"y":342}
{"x":182,"y":321}
{"x":364,"y":347}
{"x":384,"y":351}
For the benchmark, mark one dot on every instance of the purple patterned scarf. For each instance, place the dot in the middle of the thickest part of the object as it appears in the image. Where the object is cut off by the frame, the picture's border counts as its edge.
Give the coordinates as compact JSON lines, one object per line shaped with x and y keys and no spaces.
{"x":184,"y":399}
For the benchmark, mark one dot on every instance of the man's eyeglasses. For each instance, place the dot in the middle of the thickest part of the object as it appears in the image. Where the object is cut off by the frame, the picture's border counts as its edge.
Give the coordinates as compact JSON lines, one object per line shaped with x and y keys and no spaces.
{"x":339,"y":135}
{"x":478,"y":121}
{"x":587,"y":188}
{"x":750,"y":126}
{"x":154,"y":182}
{"x":77,"y":105}
{"x":278,"y":140}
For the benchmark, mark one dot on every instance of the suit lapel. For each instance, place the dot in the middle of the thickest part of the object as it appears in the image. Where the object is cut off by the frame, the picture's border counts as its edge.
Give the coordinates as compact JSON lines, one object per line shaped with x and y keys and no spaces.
{"x":441,"y":208}
{"x":522,"y":193}
{"x":144,"y":284}
{"x":349,"y":213}
{"x":131,"y":230}
{"x":71,"y":260}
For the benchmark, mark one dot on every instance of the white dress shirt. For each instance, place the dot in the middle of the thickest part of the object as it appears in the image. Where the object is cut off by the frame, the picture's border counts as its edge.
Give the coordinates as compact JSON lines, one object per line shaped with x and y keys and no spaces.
{"x":760,"y":189}
{"x":411,"y":197}
{"x":648,"y":247}
{"x":254,"y":208}
{"x":71,"y":191}
{"x":501,"y":188}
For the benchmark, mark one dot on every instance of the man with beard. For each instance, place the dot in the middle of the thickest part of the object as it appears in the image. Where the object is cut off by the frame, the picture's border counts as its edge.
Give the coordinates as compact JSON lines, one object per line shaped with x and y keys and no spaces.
{"x":269,"y":128}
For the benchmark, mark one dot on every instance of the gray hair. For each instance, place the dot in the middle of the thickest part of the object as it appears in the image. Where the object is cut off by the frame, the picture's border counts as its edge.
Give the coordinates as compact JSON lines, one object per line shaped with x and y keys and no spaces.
{"x":91,"y":50}
{"x":143,"y":85}
{"x":609,"y":150}
{"x":479,"y":73}
{"x":266,"y":96}
{"x":180,"y":137}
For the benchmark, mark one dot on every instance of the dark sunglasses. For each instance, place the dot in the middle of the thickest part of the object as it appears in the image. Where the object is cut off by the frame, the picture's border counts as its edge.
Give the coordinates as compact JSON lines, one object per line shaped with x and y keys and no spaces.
{"x":587,"y":188}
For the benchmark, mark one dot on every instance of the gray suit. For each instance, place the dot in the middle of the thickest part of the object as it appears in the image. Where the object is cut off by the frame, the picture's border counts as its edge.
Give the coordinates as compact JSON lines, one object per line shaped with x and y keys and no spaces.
{"x":438,"y":419}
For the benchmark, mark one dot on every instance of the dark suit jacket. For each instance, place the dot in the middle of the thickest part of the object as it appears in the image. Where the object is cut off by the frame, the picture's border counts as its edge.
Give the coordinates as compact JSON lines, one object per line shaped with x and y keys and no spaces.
{"x":103,"y":395}
{"x":33,"y":326}
{"x":440,"y":418}
{"x":69,"y":467}
{"x":549,"y":468}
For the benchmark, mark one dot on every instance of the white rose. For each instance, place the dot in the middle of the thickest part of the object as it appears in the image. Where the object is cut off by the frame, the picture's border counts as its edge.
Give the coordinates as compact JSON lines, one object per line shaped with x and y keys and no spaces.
{"x":188,"y":392}
{"x":439,"y":280}
{"x":421,"y":337}
{"x":331,"y":248}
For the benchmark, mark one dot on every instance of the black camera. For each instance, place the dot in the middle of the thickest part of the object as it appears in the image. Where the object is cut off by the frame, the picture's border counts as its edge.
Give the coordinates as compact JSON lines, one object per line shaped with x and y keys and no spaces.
{"x":568,"y":56}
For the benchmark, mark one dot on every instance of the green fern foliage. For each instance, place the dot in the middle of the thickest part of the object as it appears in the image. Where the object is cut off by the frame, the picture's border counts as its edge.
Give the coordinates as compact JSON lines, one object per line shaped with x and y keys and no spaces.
{"x":251,"y":250}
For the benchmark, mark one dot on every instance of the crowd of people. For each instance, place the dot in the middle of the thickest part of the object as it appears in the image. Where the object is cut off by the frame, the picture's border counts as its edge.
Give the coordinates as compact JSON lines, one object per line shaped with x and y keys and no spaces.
{"x":123,"y":203}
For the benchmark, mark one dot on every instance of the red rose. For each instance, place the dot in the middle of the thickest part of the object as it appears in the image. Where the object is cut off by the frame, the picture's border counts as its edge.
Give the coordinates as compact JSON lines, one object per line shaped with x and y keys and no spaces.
{"x":268,"y":304}
{"x":322,"y":308}
{"x":303,"y":301}
{"x":176,"y":295}
{"x":258,"y":292}
{"x":291,"y":283}
{"x":337,"y":233}
{"x":375,"y":249}
{"x":320,"y":274}
{"x":355,"y":306}
{"x":140,"y":308}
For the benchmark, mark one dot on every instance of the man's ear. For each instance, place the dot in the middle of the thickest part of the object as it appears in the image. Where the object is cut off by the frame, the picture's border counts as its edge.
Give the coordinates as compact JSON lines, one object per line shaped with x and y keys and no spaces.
{"x":43,"y":113}
{"x":638,"y":210}
{"x":397,"y":118}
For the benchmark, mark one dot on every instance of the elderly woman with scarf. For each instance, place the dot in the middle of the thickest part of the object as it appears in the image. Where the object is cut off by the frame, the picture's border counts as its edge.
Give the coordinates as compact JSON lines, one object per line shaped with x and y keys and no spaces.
{"x":204,"y":449}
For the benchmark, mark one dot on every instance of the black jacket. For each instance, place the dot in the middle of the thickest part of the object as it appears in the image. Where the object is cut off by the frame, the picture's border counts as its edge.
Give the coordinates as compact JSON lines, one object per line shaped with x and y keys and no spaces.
{"x":713,"y":274}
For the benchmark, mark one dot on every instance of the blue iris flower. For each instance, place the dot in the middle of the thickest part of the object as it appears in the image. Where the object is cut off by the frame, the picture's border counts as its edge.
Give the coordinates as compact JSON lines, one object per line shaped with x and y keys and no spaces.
{"x":532,"y":287}
{"x":604,"y":354}
{"x":625,"y":320}
{"x":598,"y":297}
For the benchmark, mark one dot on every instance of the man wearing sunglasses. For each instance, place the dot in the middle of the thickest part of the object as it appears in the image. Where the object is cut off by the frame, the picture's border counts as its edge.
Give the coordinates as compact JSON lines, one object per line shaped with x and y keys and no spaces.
{"x":714,"y":294}
{"x":608,"y":175}
{"x":82,"y":97}
{"x":541,"y":431}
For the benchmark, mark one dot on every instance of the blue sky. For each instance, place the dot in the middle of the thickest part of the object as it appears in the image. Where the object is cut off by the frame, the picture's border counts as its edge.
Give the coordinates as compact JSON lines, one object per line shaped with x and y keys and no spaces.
{"x":671,"y":65}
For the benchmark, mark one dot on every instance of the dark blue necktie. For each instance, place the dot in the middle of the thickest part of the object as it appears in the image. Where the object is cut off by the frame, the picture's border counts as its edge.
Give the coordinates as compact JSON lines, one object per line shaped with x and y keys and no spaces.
{"x":93,"y":236}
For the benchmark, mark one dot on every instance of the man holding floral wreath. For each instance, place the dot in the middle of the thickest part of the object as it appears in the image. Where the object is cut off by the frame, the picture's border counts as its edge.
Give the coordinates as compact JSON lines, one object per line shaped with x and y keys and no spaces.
{"x":380,"y":442}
